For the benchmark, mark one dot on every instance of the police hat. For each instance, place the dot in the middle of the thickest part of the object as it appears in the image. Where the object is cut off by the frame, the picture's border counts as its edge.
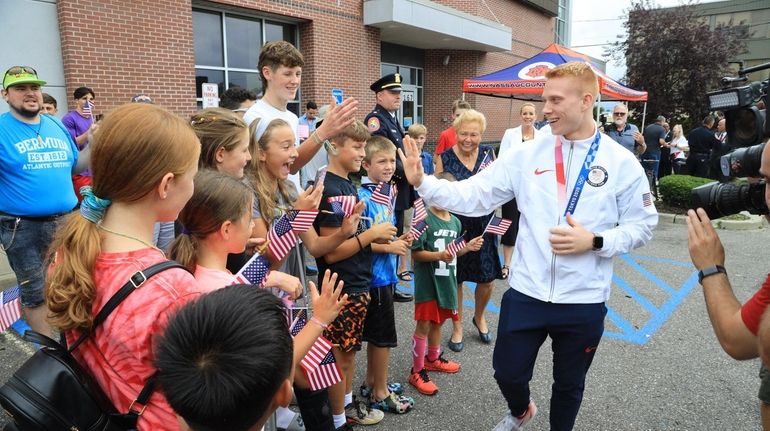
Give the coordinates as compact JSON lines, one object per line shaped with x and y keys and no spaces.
{"x":390,"y":82}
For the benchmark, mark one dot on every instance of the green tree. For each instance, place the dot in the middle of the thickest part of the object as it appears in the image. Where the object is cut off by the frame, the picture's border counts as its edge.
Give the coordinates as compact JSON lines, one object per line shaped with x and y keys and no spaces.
{"x":674,"y":56}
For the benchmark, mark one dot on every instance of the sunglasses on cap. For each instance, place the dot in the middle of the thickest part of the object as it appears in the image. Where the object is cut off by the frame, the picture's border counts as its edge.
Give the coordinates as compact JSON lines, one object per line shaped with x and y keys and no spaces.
{"x":20,"y":70}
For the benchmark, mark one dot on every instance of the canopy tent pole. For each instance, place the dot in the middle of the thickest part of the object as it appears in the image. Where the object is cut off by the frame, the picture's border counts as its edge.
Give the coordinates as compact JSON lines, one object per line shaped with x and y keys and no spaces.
{"x":510,"y":114}
{"x":644,"y":114}
{"x":598,"y":106}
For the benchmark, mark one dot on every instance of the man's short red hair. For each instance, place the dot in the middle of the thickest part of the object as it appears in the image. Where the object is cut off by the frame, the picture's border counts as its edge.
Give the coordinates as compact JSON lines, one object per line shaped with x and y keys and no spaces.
{"x":580,"y":71}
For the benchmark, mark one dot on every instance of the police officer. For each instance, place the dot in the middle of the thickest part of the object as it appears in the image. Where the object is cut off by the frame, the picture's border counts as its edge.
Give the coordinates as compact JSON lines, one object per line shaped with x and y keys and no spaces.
{"x":382,"y":121}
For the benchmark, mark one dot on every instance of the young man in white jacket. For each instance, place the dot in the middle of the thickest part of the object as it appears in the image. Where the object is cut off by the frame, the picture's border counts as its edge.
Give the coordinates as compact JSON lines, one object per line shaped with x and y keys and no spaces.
{"x":583,"y":199}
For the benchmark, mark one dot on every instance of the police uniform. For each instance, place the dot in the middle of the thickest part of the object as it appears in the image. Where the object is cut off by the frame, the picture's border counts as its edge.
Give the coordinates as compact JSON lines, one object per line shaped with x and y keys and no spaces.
{"x":381,"y":122}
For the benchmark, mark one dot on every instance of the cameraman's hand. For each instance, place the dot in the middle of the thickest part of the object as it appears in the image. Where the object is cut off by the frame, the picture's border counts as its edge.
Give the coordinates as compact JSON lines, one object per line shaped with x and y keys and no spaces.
{"x":704,"y":244}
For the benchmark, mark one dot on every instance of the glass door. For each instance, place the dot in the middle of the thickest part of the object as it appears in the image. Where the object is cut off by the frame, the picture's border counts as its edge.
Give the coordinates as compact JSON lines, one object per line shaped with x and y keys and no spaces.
{"x":408,"y":111}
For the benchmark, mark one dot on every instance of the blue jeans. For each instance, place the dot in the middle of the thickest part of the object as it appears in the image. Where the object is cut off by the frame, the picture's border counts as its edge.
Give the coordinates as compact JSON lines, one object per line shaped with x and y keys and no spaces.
{"x":651,"y":162}
{"x":26,"y":244}
{"x":525,"y":322}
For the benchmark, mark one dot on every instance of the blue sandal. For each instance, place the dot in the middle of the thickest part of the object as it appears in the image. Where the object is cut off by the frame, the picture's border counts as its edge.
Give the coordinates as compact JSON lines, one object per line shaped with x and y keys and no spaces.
{"x":486,"y":337}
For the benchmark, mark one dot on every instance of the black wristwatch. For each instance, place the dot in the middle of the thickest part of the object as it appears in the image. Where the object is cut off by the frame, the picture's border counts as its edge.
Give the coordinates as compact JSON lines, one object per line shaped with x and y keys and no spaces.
{"x":710,"y":270}
{"x":598,"y":242}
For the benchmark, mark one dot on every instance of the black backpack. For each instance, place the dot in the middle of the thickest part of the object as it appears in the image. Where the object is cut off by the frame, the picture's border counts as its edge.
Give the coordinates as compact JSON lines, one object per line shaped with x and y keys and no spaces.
{"x":53,"y":392}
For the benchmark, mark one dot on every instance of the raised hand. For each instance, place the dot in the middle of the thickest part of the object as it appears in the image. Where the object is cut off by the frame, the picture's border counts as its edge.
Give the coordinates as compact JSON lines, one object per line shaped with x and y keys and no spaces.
{"x":705,"y":246}
{"x":410,"y":158}
{"x":338,"y":118}
{"x":329,"y":302}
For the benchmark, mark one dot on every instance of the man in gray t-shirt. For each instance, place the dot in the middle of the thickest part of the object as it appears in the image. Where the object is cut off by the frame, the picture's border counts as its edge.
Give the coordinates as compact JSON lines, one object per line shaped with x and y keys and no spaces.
{"x":624,"y":133}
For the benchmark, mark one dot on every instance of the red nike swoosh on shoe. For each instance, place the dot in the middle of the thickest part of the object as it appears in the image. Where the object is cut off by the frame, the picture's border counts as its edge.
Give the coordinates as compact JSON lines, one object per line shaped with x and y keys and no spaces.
{"x":542,"y":171}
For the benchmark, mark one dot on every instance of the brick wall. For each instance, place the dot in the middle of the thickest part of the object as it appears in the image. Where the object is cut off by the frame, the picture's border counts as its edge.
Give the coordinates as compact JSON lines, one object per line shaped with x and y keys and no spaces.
{"x":120,"y":48}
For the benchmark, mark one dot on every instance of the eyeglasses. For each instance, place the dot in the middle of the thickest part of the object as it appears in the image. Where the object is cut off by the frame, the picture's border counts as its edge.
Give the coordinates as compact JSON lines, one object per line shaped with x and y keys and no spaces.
{"x":619,"y":114}
{"x":20,"y":70}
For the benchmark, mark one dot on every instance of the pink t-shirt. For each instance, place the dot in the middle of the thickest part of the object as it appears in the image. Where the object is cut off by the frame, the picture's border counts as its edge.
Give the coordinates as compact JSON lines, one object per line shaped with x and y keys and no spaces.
{"x":120,"y":355}
{"x":212,"y":279}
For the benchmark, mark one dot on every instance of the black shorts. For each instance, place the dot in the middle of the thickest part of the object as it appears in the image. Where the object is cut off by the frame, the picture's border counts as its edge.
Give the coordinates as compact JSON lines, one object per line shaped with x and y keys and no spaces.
{"x":380,"y":322}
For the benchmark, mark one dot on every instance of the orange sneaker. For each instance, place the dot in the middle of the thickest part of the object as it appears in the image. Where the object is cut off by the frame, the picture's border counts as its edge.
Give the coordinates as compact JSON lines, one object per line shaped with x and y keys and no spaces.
{"x":442,"y":365}
{"x":422,"y":382}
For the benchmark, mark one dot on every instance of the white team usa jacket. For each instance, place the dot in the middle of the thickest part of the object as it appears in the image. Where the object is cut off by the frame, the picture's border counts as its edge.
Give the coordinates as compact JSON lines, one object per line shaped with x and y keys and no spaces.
{"x":615,"y":203}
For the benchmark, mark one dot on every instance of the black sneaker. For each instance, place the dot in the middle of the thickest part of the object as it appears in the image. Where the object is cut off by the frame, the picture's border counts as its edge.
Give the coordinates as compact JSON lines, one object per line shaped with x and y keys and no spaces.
{"x":399,"y":296}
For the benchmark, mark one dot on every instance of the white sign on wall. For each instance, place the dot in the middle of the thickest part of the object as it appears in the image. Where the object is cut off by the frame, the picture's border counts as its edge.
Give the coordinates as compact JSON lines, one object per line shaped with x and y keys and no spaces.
{"x":210,"y":95}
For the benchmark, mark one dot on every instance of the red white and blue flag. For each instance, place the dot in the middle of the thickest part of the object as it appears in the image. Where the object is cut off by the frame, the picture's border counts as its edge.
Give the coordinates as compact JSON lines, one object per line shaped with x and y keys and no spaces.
{"x":10,"y":307}
{"x":646,"y":199}
{"x":254,"y":272}
{"x":486,"y":161}
{"x":497,"y":225}
{"x":281,"y":238}
{"x":418,"y":228}
{"x":88,"y":107}
{"x":318,"y":350}
{"x":301,"y":220}
{"x":455,"y":246}
{"x":327,"y":373}
{"x":383,"y":194}
{"x":419,"y":210}
{"x":343,"y":205}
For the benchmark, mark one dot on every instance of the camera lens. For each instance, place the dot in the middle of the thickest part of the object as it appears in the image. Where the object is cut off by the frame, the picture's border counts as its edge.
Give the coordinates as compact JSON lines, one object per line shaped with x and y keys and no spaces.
{"x":743,"y":162}
{"x":723,"y":199}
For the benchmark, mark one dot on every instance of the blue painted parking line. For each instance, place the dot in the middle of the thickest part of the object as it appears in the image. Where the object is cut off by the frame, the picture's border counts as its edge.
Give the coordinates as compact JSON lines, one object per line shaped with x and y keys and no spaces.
{"x":626,"y":331}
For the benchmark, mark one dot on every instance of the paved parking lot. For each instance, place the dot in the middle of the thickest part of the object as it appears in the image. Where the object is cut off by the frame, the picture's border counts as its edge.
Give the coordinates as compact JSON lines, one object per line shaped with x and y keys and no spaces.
{"x":659,"y":366}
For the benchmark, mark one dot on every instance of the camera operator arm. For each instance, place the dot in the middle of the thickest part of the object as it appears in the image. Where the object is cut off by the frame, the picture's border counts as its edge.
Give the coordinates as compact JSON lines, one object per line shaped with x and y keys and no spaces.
{"x":723,"y":307}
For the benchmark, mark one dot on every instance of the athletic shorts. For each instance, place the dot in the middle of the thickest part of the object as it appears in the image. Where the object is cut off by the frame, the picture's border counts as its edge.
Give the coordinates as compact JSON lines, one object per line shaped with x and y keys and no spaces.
{"x":431,"y":312}
{"x":380,"y":323}
{"x":347,"y":329}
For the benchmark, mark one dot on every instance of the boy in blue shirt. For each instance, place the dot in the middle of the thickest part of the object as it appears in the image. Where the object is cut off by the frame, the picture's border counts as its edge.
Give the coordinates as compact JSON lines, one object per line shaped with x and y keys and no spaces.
{"x":380,"y":324}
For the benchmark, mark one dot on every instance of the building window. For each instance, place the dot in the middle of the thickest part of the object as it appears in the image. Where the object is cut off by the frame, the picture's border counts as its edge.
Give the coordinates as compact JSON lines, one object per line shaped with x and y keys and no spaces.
{"x":411,"y":94}
{"x":227,"y":49}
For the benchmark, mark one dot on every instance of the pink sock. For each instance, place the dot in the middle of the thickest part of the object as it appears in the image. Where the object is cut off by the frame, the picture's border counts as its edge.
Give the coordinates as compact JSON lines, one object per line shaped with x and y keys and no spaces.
{"x":433,"y":352}
{"x":418,"y":353}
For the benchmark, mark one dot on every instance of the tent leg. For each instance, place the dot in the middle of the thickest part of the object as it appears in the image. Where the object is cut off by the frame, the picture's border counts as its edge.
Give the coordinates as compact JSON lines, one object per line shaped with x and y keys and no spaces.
{"x":510,"y":114}
{"x":644,"y":115}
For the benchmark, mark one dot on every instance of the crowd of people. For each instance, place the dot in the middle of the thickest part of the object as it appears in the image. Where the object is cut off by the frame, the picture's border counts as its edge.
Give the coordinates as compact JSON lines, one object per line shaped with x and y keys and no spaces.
{"x":85,"y":202}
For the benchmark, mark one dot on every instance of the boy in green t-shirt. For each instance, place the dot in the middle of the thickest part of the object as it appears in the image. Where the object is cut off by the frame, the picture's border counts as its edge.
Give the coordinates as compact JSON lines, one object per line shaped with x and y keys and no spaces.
{"x":435,"y":293}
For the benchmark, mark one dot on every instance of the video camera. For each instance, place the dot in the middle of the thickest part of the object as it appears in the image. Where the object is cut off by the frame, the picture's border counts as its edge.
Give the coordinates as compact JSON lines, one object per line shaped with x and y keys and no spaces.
{"x":747,"y":131}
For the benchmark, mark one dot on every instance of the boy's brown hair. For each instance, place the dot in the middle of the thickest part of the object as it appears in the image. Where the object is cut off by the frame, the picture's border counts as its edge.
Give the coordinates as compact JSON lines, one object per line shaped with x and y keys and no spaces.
{"x":357,"y":132}
{"x":275,"y":54}
{"x":378,"y":144}
{"x":416,"y":130}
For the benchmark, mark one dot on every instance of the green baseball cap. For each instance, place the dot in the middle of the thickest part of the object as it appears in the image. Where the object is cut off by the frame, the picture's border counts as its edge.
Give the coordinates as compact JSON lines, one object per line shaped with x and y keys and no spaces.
{"x":21,"y":75}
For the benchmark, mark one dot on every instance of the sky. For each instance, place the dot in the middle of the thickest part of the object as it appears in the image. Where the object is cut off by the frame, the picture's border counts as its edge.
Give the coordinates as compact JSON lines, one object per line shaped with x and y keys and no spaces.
{"x":598,"y":23}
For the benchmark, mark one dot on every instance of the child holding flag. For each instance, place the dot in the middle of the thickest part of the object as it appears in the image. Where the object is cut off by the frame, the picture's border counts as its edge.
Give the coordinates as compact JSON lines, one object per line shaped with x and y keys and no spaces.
{"x":435,"y":295}
{"x":380,"y":322}
{"x":352,"y":260}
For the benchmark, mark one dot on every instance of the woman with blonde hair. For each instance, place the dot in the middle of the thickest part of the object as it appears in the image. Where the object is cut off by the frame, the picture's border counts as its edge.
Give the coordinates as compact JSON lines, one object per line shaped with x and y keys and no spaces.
{"x":464,"y":160}
{"x":678,"y":147}
{"x":143,"y":161}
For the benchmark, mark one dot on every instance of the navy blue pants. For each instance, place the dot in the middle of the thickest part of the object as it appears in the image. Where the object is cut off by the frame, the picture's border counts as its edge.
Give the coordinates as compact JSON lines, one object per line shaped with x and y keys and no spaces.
{"x":575,"y":331}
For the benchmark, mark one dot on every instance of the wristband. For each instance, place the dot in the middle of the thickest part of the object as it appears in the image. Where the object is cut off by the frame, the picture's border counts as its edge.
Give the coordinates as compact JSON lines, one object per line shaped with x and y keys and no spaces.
{"x":318,"y":322}
{"x":317,"y":139}
{"x":710,"y":270}
{"x":361,"y":246}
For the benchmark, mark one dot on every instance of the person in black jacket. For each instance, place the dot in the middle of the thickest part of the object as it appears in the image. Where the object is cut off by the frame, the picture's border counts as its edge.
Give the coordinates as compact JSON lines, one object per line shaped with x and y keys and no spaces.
{"x":702,"y":141}
{"x":383,"y":121}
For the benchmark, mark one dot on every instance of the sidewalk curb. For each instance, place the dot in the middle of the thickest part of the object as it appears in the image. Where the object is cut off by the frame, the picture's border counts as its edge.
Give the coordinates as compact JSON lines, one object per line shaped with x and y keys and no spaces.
{"x":754,"y":222}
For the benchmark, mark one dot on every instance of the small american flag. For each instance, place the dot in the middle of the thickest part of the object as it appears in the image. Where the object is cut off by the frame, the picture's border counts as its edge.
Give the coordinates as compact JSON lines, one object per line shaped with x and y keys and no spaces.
{"x":254,"y":272}
{"x":419,"y":210}
{"x":455,"y":246}
{"x":383,"y":194}
{"x":318,"y":350}
{"x":647,"y":199}
{"x":281,"y":238}
{"x":327,"y":373}
{"x":10,"y":307}
{"x":301,"y":220}
{"x":486,"y":161}
{"x":343,"y":205}
{"x":88,"y":106}
{"x":497,"y":225}
{"x":418,"y":229}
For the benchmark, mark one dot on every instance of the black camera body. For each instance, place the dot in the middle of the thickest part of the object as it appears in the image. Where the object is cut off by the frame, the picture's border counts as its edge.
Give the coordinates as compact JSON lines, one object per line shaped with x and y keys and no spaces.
{"x":747,"y":132}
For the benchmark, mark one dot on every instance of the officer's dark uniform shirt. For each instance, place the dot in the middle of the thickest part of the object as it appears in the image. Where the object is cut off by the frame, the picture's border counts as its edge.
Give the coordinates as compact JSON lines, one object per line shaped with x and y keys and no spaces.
{"x":381,"y":122}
